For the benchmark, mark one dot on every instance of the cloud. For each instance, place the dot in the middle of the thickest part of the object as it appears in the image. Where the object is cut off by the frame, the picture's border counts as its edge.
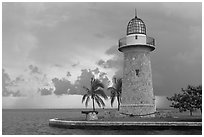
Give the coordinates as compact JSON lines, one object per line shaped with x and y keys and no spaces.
{"x":106,"y":81}
{"x":116,"y":62}
{"x":83,"y":80}
{"x":19,"y":79}
{"x":65,"y":87}
{"x":45,"y":34}
{"x":85,"y":77}
{"x":68,"y":74}
{"x":6,"y":84}
{"x":29,"y":84}
{"x":75,"y":64}
{"x":96,"y":71}
{"x":61,"y":86}
{"x":101,"y":63}
{"x":34,"y":69}
{"x":25,"y":84}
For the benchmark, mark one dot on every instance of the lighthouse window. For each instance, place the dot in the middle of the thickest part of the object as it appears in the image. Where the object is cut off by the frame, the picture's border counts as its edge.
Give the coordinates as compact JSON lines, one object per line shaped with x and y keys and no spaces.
{"x":136,"y":26}
{"x":137,"y":72}
{"x":135,"y":36}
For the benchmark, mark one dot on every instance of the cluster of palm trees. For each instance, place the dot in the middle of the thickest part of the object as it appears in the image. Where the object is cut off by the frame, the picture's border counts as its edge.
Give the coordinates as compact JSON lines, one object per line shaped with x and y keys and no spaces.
{"x":96,"y":92}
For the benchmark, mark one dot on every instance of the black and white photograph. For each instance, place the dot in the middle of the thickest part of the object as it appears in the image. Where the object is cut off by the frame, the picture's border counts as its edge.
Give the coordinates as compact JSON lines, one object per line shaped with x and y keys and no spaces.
{"x":101,"y":68}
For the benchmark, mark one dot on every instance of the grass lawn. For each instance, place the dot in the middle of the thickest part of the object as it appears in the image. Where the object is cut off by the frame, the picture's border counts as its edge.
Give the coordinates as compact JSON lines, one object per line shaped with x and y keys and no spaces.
{"x":173,"y":116}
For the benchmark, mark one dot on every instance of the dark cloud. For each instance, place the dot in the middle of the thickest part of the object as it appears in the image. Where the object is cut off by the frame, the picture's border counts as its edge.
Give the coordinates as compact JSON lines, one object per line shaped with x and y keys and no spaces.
{"x":76,"y":64}
{"x":16,"y":81}
{"x":34,"y":69}
{"x":45,"y":91}
{"x":113,"y":50}
{"x":84,"y":79}
{"x":64,"y":86}
{"x":96,"y":71}
{"x":68,"y":74}
{"x":101,"y":62}
{"x":116,"y":62}
{"x":19,"y":78}
{"x":61,"y":86}
{"x":6,"y":83}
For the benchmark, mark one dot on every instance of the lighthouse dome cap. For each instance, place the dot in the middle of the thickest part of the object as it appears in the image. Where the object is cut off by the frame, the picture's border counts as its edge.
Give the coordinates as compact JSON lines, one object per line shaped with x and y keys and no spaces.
{"x":136,"y":26}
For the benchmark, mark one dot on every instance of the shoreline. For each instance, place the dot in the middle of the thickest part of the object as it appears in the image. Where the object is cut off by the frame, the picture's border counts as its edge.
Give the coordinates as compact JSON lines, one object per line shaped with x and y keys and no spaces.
{"x":112,"y":119}
{"x":62,"y":123}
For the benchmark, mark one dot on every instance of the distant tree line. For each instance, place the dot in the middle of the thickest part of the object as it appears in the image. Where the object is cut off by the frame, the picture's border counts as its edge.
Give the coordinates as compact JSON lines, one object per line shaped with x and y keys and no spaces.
{"x":189,"y":100}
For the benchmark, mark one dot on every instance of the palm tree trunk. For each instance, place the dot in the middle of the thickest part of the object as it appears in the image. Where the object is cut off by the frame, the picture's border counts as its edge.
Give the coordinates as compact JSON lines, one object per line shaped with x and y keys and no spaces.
{"x":191,"y":112}
{"x":118,"y":103}
{"x":93,"y":104}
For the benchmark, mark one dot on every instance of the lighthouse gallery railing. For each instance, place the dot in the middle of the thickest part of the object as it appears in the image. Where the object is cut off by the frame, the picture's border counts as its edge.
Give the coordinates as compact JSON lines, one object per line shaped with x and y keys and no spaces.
{"x":149,"y":41}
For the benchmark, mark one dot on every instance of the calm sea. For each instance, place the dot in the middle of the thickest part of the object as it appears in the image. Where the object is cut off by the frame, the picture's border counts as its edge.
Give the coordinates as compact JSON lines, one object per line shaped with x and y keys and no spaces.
{"x":35,"y":122}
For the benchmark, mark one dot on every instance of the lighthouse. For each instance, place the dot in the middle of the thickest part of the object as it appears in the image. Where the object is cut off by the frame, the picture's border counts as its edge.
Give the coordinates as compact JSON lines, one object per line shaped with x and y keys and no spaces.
{"x":137,"y":89}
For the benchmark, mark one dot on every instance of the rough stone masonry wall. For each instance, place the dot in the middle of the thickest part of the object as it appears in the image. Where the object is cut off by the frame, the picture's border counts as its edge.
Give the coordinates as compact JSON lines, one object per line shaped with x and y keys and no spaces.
{"x":137,"y":89}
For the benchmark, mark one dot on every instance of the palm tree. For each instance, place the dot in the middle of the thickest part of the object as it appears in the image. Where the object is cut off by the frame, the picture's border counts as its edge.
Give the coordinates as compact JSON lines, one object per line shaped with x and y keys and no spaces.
{"x":116,"y":91}
{"x":95,"y":93}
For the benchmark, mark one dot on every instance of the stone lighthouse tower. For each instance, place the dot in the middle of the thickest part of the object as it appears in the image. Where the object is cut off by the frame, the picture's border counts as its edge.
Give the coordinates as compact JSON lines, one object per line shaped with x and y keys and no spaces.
{"x":137,"y":89}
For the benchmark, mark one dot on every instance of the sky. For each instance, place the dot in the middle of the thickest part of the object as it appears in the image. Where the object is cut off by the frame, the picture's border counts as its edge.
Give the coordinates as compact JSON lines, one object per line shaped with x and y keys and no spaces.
{"x":51,"y":50}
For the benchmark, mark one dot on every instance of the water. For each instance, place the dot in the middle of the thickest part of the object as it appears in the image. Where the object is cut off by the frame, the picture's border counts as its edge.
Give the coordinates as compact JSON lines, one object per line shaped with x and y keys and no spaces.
{"x":35,"y":122}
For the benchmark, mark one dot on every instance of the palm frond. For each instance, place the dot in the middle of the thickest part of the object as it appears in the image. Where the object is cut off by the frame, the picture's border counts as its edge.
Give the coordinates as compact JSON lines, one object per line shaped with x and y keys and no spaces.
{"x":87,"y":89}
{"x":111,"y":89}
{"x":100,"y":100}
{"x":84,"y":97}
{"x":101,"y":93}
{"x":120,"y":100}
{"x":96,"y":84}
